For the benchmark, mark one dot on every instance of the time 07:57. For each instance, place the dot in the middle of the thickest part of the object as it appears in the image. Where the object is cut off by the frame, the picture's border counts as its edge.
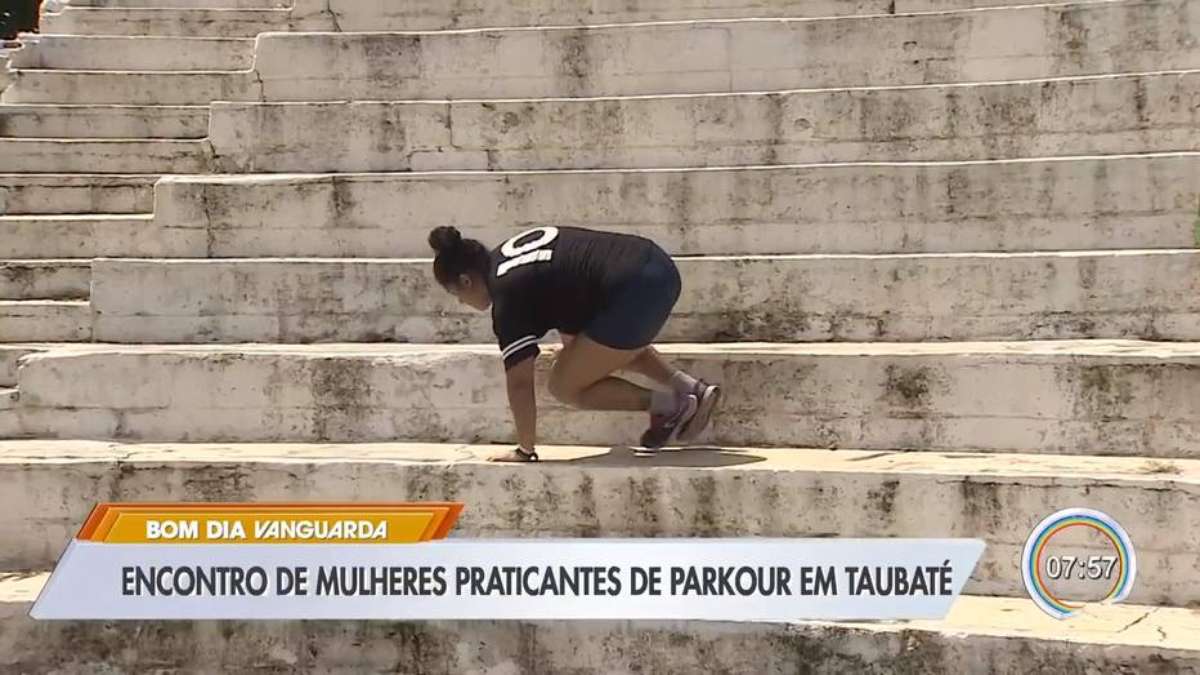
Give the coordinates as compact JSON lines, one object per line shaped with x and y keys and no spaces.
{"x":1092,"y":568}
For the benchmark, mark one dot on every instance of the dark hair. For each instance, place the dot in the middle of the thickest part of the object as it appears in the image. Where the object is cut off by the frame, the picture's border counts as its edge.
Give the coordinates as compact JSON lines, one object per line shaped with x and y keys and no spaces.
{"x":457,"y":256}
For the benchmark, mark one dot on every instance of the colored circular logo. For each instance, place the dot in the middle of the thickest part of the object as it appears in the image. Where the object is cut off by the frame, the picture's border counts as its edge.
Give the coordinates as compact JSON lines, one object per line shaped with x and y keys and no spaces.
{"x":1056,"y":562}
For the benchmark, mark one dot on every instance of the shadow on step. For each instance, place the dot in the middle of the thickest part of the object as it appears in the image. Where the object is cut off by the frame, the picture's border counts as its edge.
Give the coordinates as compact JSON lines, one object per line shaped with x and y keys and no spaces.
{"x":621,"y":456}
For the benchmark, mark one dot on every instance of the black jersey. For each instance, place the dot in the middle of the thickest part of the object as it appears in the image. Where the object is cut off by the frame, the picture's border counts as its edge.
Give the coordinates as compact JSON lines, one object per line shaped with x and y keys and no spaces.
{"x":556,"y":277}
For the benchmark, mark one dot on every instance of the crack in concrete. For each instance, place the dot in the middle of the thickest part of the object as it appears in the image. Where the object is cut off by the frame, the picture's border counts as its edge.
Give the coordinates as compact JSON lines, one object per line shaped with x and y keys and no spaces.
{"x":209,"y":235}
{"x":464,"y":454}
{"x":1196,"y":226}
{"x":262,"y":89}
{"x":333,"y":16}
{"x":1135,"y":622}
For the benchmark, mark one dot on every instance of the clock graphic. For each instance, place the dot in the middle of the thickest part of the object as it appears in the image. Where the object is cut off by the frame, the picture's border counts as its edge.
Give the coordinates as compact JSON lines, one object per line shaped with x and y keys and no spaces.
{"x":1077,"y":557}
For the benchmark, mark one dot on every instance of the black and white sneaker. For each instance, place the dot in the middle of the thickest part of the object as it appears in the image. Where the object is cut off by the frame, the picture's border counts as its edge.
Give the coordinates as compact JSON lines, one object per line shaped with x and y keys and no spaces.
{"x":664,"y":429}
{"x":707,"y":396}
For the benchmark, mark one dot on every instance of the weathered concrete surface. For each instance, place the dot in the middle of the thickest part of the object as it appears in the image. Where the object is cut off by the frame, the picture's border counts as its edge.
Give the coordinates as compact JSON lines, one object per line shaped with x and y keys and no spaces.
{"x":108,"y":121}
{"x":661,"y":58}
{"x":88,"y":236}
{"x":1068,"y":397}
{"x":130,"y":88}
{"x":9,"y":422}
{"x":44,"y":279}
{"x":745,"y":55}
{"x":1108,"y":114}
{"x":376,"y":15}
{"x":808,"y":298}
{"x":107,"y":155}
{"x":185,"y":22}
{"x":184,"y":4}
{"x":10,"y":356}
{"x":608,"y":492}
{"x":45,"y":321}
{"x":1094,"y":203}
{"x":91,"y":52}
{"x":980,"y":635}
{"x":74,"y":194}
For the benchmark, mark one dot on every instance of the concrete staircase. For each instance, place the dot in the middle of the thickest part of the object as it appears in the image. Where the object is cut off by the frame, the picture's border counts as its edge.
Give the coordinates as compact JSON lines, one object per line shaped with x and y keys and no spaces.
{"x":941,"y":253}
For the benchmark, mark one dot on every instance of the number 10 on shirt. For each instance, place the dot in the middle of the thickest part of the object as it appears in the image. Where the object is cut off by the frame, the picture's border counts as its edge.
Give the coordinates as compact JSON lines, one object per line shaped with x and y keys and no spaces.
{"x":531,"y":251}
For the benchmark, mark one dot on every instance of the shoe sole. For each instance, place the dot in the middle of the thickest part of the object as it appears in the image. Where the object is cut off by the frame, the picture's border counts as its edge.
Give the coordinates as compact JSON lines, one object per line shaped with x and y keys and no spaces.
{"x":704,"y":411}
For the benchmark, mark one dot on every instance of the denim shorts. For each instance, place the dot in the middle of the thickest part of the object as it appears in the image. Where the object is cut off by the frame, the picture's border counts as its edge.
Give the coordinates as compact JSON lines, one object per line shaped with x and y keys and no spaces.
{"x":640,"y":306}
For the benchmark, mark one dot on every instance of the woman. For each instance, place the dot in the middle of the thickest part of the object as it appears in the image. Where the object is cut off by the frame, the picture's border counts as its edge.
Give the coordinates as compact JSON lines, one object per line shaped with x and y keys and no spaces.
{"x":607,"y":294}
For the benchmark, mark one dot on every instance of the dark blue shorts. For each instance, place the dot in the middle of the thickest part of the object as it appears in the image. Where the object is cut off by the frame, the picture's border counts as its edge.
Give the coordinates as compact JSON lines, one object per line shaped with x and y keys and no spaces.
{"x":640,"y":306}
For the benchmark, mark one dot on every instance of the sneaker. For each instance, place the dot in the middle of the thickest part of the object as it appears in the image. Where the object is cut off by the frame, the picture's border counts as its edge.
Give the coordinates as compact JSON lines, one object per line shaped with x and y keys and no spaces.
{"x":665,"y":428}
{"x":708,"y":396}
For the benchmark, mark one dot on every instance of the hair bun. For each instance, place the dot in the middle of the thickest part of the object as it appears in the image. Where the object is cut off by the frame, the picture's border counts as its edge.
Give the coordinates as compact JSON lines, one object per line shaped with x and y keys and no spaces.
{"x":445,"y":239}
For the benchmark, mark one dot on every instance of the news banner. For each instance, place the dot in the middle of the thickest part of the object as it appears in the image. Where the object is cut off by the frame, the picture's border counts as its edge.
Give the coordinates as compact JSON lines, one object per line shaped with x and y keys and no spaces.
{"x":396,"y":561}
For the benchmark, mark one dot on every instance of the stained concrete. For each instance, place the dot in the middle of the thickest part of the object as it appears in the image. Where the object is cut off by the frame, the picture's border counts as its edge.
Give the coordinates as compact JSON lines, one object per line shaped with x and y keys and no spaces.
{"x":736,"y":55}
{"x":598,"y":491}
{"x":76,"y":193}
{"x":1058,"y":397}
{"x":785,"y":298}
{"x":667,"y":57}
{"x":1040,"y":118}
{"x":109,"y":155}
{"x":180,"y":21}
{"x":113,"y":121}
{"x":1127,"y":202}
{"x":90,"y":52}
{"x":87,"y":236}
{"x":45,"y":320}
{"x":981,"y":635}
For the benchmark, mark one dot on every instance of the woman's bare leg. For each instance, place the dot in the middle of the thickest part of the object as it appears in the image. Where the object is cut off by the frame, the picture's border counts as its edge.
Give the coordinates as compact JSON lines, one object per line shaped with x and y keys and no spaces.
{"x":652,"y":365}
{"x":582,"y":377}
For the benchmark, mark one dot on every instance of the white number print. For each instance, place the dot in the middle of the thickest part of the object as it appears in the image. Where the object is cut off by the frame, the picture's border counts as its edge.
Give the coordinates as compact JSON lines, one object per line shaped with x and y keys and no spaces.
{"x":528,"y":252}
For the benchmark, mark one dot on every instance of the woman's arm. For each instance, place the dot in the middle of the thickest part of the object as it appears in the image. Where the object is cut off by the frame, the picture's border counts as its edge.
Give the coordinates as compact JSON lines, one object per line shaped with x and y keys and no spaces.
{"x":522,"y":402}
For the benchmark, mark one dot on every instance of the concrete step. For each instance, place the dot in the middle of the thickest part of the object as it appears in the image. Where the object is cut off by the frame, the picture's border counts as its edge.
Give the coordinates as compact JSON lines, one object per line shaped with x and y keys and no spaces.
{"x":742,"y":55}
{"x":181,"y":22}
{"x":142,"y":53}
{"x":130,"y":88}
{"x":45,"y":279}
{"x":179,"y":17}
{"x":376,"y":15}
{"x":598,"y":491}
{"x":1042,"y":118}
{"x":91,"y":235}
{"x":666,"y":58}
{"x":8,"y":399}
{"x":183,"y":4}
{"x":1061,"y":397}
{"x":981,"y":635}
{"x":22,"y":194}
{"x":809,"y":298}
{"x":1138,"y":202}
{"x":45,"y":321}
{"x":104,"y":155}
{"x":103,"y":121}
